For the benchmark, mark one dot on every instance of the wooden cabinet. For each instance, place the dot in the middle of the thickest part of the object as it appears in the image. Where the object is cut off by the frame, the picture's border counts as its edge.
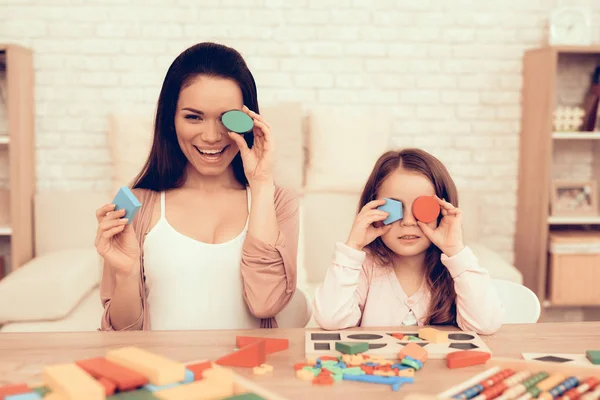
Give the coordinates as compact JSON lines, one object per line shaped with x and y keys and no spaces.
{"x":538,"y":143}
{"x":17,"y":141}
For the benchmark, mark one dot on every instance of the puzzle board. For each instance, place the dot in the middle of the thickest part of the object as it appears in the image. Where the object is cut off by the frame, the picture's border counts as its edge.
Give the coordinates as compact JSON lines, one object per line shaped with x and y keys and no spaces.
{"x":559,"y":358}
{"x":382,"y":343}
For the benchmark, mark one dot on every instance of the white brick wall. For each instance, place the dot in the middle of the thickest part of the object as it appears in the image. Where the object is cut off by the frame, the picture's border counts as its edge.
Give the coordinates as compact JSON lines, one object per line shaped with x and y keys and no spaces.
{"x":445,"y":69}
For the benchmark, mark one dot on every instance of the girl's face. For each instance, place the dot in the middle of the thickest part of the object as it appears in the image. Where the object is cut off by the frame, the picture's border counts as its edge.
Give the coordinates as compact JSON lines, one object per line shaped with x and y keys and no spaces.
{"x":405,"y":238}
{"x":201,"y":135}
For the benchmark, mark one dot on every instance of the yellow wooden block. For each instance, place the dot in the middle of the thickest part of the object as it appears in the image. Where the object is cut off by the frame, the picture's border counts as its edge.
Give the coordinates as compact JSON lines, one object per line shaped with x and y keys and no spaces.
{"x":70,"y":381}
{"x":158,"y":369}
{"x":384,"y":373}
{"x":433,"y":335}
{"x":305,"y":375}
{"x":408,"y":373}
{"x":206,"y":389}
{"x":221,"y":375}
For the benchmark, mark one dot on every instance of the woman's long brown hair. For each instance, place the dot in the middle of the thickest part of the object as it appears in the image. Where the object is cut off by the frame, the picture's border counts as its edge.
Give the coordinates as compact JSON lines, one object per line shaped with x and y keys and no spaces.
{"x":442,"y":310}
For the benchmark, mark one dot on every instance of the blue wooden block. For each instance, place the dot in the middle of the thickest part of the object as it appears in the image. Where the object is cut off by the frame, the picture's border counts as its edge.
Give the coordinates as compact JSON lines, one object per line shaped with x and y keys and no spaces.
{"x":127,"y":200}
{"x":394,"y":207}
{"x":189,"y":377}
{"x":24,"y":396}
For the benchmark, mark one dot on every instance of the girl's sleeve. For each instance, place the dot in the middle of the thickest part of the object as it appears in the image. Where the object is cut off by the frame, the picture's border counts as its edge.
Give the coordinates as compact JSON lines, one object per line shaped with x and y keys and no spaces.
{"x":478,"y":306}
{"x":269,"y":271}
{"x":339,"y":301}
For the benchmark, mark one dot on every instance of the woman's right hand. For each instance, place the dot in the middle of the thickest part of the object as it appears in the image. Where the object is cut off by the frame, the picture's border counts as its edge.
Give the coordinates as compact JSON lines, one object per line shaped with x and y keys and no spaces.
{"x":363,"y":231}
{"x":116,"y":241}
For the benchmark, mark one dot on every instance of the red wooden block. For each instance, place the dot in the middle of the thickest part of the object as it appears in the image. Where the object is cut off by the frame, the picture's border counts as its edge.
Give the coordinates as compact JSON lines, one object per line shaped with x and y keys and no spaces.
{"x":273,"y":345}
{"x":398,"y":336}
{"x":328,"y":358}
{"x":466,"y":358}
{"x":249,"y":356}
{"x":8,"y":390}
{"x":301,"y":365}
{"x":124,"y":378}
{"x":323,"y":380}
{"x":426,"y":209}
{"x":198,"y":368}
{"x":109,"y":386}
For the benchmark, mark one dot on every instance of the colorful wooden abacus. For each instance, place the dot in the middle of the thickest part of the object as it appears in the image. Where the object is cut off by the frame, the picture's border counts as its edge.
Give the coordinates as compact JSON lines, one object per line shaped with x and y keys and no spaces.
{"x":505,"y":379}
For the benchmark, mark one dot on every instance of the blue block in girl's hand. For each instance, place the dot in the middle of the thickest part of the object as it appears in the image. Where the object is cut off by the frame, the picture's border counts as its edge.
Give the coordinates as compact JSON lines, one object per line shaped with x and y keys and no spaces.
{"x":127,"y":200}
{"x":394,"y":207}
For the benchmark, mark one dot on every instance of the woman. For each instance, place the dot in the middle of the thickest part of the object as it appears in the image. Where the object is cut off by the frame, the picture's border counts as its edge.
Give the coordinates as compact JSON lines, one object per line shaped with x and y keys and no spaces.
{"x":214,"y":244}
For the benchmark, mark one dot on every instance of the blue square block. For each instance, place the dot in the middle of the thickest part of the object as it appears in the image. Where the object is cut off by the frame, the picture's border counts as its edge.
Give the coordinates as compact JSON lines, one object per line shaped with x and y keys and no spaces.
{"x":127,"y":200}
{"x":394,"y":207}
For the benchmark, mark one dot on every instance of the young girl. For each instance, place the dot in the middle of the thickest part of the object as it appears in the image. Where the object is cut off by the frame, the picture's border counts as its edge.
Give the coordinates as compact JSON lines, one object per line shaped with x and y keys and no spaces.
{"x":407,"y":272}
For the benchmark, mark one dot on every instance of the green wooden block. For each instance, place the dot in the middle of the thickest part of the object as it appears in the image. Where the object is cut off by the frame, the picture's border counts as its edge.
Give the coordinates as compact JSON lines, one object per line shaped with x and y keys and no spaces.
{"x":141,"y":394}
{"x":351,"y":348}
{"x":245,"y":396}
{"x":315,"y":371}
{"x":338,"y":377}
{"x":353,"y":371}
{"x":42,"y":390}
{"x":593,"y":356}
{"x":413,"y":338}
{"x":335,"y":370}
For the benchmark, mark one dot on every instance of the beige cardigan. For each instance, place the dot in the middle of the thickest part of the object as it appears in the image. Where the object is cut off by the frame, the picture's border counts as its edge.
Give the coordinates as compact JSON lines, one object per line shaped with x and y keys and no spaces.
{"x":268,"y":272}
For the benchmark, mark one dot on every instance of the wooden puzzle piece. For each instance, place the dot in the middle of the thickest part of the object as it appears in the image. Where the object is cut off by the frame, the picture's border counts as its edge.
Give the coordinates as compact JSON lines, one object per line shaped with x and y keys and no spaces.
{"x":198,"y":368}
{"x":426,"y":209}
{"x":394,"y":208}
{"x":19,"y":388}
{"x":466,"y":358}
{"x":73,"y":382}
{"x":351,"y":347}
{"x":559,"y":358}
{"x":250,"y":356}
{"x":593,"y":356}
{"x":23,"y":396}
{"x":272,"y":345}
{"x":158,"y":369}
{"x":127,"y":200}
{"x":124,"y":378}
{"x":433,"y":335}
{"x":415,"y":351}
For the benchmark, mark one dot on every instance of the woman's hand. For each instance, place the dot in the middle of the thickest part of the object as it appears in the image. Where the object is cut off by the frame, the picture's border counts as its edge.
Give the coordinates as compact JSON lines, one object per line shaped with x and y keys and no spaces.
{"x":116,"y":241}
{"x":447,"y":236}
{"x":258,"y":161}
{"x":363,"y":231}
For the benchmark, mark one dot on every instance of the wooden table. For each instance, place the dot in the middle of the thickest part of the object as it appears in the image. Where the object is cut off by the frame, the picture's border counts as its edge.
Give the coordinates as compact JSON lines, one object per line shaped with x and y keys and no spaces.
{"x":22,"y":355}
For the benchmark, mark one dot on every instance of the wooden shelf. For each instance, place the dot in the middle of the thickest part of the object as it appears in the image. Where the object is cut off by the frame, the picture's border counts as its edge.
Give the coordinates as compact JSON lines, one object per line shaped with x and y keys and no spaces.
{"x":593,"y":220}
{"x":576,"y":135}
{"x":537,"y":144}
{"x":18,"y":141}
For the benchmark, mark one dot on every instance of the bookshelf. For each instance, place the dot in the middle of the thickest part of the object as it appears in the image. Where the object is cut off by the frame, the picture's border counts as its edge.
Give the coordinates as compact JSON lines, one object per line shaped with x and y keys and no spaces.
{"x":17,"y":144}
{"x":535,"y":226}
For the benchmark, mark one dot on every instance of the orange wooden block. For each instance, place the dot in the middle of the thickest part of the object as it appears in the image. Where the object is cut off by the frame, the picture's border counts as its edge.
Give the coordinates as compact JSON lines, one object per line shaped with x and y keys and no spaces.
{"x":301,"y":365}
{"x":426,"y":209}
{"x":466,"y":358}
{"x":272,"y":345}
{"x":323,"y":380}
{"x":328,"y":358}
{"x":198,"y":368}
{"x":19,"y":388}
{"x":398,"y":336}
{"x":415,"y":351}
{"x":124,"y":378}
{"x":249,"y":356}
{"x":109,"y":386}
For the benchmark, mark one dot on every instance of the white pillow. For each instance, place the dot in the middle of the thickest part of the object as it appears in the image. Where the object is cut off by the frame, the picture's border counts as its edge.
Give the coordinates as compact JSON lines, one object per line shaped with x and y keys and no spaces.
{"x":49,"y":287}
{"x":343,"y":148}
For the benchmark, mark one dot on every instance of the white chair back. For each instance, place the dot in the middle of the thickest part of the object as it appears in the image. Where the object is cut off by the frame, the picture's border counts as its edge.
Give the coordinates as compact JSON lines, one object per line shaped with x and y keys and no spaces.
{"x":521,"y":305}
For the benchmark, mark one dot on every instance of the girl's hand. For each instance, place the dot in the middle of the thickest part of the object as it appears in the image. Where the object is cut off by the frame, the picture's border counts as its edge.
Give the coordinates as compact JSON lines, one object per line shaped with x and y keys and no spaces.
{"x":363,"y":231}
{"x":116,"y":241}
{"x":448,"y":235}
{"x":258,"y":161}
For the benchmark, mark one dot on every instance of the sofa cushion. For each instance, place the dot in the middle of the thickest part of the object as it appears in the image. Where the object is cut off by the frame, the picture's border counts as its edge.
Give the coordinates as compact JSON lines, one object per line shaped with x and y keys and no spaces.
{"x":343,"y":148}
{"x":49,"y":287}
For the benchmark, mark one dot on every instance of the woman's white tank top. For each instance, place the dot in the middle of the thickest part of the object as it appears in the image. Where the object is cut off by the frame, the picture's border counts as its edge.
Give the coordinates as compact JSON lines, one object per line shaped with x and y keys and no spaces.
{"x":194,"y":285}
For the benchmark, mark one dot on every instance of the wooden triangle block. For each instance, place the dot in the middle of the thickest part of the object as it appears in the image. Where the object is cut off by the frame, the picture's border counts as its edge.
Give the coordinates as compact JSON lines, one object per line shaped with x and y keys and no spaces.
{"x":272,"y":345}
{"x":249,"y":356}
{"x":466,"y":358}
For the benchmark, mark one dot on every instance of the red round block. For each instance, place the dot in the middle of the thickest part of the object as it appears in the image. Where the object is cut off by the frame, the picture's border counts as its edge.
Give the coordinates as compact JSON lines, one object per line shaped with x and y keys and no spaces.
{"x":426,"y":209}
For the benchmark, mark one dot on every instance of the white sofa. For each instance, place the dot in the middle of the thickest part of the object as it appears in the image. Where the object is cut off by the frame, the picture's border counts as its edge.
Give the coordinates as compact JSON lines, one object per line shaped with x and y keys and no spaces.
{"x":324,"y":157}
